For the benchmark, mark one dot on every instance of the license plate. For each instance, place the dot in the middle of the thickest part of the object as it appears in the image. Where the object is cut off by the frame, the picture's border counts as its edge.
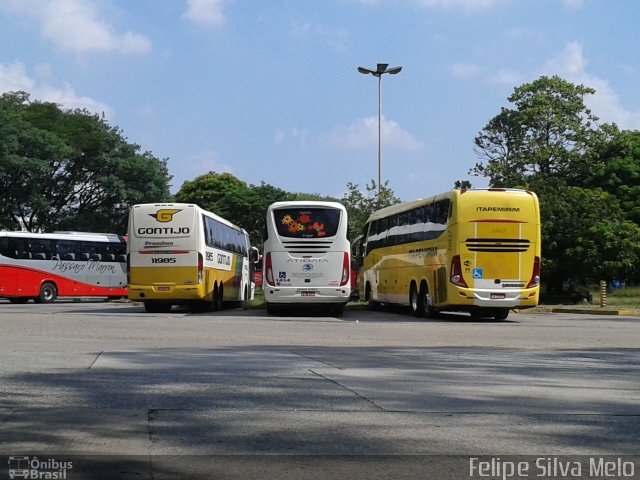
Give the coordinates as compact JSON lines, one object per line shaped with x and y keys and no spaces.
{"x":308,"y":294}
{"x":497,"y":296}
{"x":163,"y":289}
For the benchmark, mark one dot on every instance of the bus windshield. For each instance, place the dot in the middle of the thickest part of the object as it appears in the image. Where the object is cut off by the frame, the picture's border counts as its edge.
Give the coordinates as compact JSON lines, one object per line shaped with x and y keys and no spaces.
{"x":306,"y":222}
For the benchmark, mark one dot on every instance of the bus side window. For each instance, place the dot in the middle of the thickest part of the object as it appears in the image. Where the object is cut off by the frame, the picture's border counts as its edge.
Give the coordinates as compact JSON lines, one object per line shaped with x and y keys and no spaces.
{"x":7,"y":250}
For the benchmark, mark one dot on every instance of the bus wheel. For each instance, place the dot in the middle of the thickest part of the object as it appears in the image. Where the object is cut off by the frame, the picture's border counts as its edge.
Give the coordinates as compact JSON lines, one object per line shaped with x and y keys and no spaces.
{"x":501,"y":313}
{"x":425,"y":302}
{"x":373,"y":305}
{"x":245,"y":299}
{"x":414,"y":301}
{"x":48,"y":293}
{"x":217,"y":298}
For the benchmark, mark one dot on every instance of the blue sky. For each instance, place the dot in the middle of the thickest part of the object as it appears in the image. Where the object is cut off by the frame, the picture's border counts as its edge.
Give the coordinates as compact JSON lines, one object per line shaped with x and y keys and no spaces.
{"x":269,"y":91}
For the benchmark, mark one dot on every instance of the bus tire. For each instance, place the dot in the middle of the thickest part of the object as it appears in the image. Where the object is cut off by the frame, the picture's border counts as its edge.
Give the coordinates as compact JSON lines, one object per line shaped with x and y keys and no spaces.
{"x":373,"y":305}
{"x":415,"y":301}
{"x":217,"y":298}
{"x":245,"y":299}
{"x":425,"y":302}
{"x":501,"y":313}
{"x":48,"y":293}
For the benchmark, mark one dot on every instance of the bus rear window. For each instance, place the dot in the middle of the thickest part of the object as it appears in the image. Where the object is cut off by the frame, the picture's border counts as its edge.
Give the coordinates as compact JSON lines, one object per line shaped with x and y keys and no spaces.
{"x":307,"y":222}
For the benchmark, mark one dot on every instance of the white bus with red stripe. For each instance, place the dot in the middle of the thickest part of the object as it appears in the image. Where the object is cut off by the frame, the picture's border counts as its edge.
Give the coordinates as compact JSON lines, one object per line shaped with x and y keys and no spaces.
{"x":45,"y":266}
{"x":307,"y":256}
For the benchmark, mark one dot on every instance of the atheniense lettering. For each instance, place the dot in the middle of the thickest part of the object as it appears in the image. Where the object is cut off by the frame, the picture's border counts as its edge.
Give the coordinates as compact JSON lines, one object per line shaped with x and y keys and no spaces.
{"x":307,"y":260}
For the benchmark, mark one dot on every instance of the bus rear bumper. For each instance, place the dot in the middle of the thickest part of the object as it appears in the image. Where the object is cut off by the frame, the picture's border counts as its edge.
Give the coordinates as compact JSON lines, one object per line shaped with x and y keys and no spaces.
{"x":526,"y":298}
{"x":310,"y":295}
{"x":165,"y":292}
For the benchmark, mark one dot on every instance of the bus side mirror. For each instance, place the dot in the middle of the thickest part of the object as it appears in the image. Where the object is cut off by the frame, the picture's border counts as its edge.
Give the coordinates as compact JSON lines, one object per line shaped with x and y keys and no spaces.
{"x":254,"y":255}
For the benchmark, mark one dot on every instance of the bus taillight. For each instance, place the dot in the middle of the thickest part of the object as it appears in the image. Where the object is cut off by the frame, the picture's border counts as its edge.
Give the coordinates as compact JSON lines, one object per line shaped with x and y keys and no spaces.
{"x":535,"y":275}
{"x":268,"y":270}
{"x":456,"y":272}
{"x":345,"y":270}
{"x":128,"y":269}
{"x":200,"y":268}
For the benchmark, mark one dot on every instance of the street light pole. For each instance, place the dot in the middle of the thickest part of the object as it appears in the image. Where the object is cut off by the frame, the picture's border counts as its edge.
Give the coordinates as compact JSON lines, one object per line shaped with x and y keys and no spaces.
{"x":380,"y":70}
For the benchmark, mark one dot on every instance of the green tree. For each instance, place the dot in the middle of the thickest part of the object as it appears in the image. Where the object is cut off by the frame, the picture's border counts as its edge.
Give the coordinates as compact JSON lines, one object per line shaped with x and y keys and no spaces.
{"x":458,"y":184}
{"x":585,"y":235}
{"x":360,"y":205}
{"x":70,"y":170}
{"x":617,"y":171}
{"x":231,"y":198}
{"x":552,"y":144}
{"x":549,"y":133}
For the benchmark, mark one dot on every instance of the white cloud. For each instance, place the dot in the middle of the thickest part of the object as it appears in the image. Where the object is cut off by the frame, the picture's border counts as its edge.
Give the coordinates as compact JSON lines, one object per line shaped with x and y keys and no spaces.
{"x":334,"y":38}
{"x":14,"y":77}
{"x":445,"y":4}
{"x":507,"y":77}
{"x":74,"y":25}
{"x":205,"y":12}
{"x":571,"y":65}
{"x":364,"y":133}
{"x":295,"y":134}
{"x":466,"y":70}
{"x":573,"y":4}
{"x":198,"y":164}
{"x":464,"y":4}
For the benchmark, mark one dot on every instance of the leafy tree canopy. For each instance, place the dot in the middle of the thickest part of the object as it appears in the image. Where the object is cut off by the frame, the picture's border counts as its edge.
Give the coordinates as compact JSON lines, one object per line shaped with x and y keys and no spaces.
{"x":70,"y":170}
{"x":617,"y":171}
{"x":231,"y":198}
{"x":585,"y":235}
{"x":549,"y":133}
{"x":360,"y":205}
{"x":585,"y":174}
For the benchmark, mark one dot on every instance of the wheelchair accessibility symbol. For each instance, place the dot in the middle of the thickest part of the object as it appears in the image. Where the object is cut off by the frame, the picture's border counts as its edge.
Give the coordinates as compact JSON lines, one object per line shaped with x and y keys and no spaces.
{"x":477,"y":273}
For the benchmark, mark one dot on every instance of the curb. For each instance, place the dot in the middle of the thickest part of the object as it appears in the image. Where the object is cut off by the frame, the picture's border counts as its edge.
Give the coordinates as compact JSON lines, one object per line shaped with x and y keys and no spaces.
{"x":588,"y":311}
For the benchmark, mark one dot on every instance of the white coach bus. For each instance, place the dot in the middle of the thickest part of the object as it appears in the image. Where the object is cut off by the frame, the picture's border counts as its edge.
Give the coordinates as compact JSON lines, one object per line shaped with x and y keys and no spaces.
{"x":181,"y":254}
{"x":307,"y":256}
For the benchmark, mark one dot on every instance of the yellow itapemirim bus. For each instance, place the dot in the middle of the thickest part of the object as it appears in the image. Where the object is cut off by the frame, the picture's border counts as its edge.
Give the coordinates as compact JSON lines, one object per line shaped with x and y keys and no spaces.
{"x":179,"y":253}
{"x":474,"y":250}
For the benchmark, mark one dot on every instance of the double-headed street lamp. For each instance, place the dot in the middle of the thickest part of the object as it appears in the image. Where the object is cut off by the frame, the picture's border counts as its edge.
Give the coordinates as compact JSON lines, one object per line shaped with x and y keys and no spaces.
{"x":380,"y":70}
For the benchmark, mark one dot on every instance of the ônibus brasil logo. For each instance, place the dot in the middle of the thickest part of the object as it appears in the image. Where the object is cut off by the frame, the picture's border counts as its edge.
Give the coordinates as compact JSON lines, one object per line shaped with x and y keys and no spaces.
{"x":33,"y":468}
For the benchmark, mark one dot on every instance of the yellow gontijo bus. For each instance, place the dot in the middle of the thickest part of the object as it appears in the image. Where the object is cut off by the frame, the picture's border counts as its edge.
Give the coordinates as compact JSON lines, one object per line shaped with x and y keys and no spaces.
{"x":475,"y":250}
{"x":178,"y":253}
